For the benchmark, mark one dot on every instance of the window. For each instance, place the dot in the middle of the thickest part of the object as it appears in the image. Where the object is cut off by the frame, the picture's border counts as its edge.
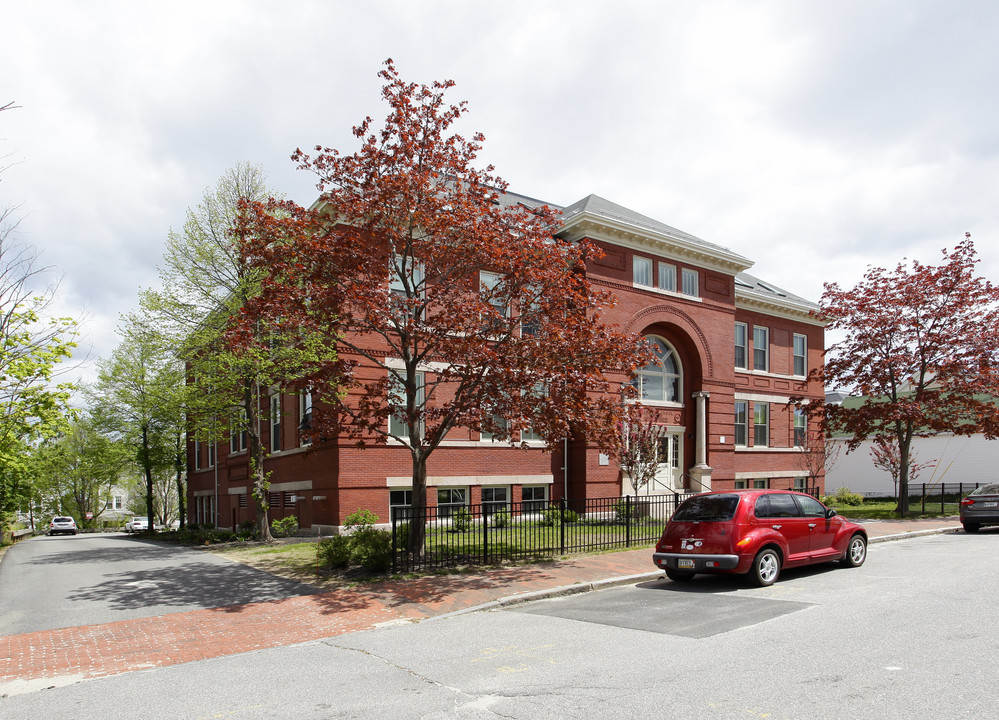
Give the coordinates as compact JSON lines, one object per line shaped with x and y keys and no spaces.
{"x":761,"y":484}
{"x":397,"y":400}
{"x":405,"y":270}
{"x":237,"y":432}
{"x":528,"y":434}
{"x":740,"y":484}
{"x":690,"y":283}
{"x":761,"y":423}
{"x":801,"y":484}
{"x":275,"y":422}
{"x":530,"y":323}
{"x":667,"y":277}
{"x":197,"y":455}
{"x":398,"y":501}
{"x":800,"y":355}
{"x":642,"y":271}
{"x":450,"y":499}
{"x":489,"y":282}
{"x":800,"y":427}
{"x":740,"y":345}
{"x":660,"y":379}
{"x":761,"y":348}
{"x":778,"y":505}
{"x":669,"y":450}
{"x":114,"y":503}
{"x":305,"y":414}
{"x":211,"y":454}
{"x":494,"y":421}
{"x":535,"y":498}
{"x":741,"y":422}
{"x":494,"y":499}
{"x":810,"y":507}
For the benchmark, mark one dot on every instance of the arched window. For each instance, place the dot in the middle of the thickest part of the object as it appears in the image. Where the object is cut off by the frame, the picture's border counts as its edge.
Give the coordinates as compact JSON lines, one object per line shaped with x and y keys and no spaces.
{"x":660,"y":380}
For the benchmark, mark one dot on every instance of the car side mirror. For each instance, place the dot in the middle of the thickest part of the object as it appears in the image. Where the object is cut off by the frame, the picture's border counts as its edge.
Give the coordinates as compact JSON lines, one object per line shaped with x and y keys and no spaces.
{"x":830,"y":513}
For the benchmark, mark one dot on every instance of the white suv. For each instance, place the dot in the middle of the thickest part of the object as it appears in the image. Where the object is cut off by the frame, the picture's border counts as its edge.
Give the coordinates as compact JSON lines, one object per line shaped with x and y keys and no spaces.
{"x":62,"y":524}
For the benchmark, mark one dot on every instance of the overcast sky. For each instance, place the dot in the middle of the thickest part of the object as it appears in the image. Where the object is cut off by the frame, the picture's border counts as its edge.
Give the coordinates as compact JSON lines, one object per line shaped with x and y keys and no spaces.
{"x":813,"y":138}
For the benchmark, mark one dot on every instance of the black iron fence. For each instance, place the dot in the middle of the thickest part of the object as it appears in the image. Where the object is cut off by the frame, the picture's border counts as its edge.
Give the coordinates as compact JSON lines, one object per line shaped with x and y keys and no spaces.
{"x":933,"y":495}
{"x":495,"y":532}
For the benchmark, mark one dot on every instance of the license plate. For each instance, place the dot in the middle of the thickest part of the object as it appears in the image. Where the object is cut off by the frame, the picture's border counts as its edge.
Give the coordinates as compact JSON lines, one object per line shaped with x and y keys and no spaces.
{"x":989,"y":504}
{"x":685,"y":563}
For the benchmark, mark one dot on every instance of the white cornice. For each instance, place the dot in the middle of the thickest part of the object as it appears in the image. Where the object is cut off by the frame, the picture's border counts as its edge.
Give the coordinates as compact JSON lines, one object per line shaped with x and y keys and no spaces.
{"x":784,"y":307}
{"x":636,"y":237}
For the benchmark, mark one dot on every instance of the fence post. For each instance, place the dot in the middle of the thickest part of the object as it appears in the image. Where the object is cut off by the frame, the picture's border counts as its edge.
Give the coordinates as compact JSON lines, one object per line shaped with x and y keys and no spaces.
{"x":485,"y":534}
{"x":627,"y":520}
{"x":943,"y":490}
{"x":395,"y":550}
{"x":561,"y":524}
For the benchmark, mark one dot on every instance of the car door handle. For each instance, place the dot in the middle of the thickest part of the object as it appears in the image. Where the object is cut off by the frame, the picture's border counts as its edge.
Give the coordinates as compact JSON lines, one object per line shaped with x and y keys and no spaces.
{"x":776,"y":527}
{"x":811,"y":526}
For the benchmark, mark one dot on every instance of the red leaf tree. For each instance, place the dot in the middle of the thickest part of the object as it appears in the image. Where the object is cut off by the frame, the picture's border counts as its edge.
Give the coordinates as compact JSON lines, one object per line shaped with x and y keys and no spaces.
{"x":921,"y":344}
{"x":454,"y":306}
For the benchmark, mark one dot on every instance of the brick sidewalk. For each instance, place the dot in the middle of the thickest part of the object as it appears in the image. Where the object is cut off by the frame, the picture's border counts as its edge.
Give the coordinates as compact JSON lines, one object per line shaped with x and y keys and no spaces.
{"x":32,"y":661}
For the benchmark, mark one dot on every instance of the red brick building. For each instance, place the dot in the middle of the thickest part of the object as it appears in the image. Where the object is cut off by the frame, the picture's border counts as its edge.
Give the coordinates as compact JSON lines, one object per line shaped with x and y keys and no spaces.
{"x":732,"y":350}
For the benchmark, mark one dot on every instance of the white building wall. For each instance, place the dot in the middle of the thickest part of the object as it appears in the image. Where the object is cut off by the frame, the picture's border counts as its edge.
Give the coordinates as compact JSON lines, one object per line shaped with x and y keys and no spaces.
{"x":960,"y":459}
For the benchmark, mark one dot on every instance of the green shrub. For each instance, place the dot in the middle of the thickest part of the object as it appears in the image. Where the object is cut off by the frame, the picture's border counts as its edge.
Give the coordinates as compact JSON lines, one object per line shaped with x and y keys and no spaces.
{"x":843,"y":496}
{"x":248,"y":527}
{"x":334,"y":552}
{"x":285,"y":527}
{"x":402,"y":534}
{"x":501,"y":518}
{"x":359,"y":520}
{"x":461,"y":520}
{"x":371,"y":549}
{"x":552,"y":516}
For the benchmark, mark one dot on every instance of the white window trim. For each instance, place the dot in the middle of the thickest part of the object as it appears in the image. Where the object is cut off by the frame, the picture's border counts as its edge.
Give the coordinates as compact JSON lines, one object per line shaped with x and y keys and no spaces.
{"x":745,"y":346}
{"x":696,"y":275}
{"x":804,"y":339}
{"x":646,"y":263}
{"x":766,"y":350}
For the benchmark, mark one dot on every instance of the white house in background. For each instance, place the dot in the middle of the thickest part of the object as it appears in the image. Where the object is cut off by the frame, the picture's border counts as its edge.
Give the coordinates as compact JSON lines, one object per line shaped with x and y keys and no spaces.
{"x":965,"y":459}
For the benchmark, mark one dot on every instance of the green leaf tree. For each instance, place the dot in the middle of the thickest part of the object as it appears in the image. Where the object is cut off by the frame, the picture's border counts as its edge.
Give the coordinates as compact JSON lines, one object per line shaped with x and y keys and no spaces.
{"x":78,"y":468}
{"x":139,"y":397}
{"x":33,"y":345}
{"x":233,"y":360}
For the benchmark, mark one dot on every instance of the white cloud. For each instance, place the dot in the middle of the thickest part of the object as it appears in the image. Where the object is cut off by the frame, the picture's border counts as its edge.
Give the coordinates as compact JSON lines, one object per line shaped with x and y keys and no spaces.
{"x":813,"y":138}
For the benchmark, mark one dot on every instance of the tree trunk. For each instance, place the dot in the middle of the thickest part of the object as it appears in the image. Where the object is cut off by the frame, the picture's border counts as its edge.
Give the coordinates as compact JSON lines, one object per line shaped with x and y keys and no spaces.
{"x":904,"y":446}
{"x":417,"y":524}
{"x":179,"y":459}
{"x":260,"y":483}
{"x":148,"y":470}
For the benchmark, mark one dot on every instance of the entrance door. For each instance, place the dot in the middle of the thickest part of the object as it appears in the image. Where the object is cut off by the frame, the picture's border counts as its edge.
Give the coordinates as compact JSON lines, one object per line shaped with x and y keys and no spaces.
{"x":668,"y":475}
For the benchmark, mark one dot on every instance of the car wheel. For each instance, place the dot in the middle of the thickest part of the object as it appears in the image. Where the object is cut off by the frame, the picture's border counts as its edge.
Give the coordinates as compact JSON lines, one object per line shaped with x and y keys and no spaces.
{"x":856,"y":552}
{"x":970,"y":527}
{"x":766,"y":568}
{"x":679,"y":575}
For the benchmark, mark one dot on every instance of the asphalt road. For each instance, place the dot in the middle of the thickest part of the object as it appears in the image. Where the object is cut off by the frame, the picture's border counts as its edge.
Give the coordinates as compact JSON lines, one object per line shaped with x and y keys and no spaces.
{"x":909,"y":635}
{"x":72,"y":580}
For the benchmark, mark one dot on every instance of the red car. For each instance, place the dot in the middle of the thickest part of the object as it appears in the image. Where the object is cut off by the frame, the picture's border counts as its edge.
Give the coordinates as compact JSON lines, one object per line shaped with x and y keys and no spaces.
{"x":756,"y":533}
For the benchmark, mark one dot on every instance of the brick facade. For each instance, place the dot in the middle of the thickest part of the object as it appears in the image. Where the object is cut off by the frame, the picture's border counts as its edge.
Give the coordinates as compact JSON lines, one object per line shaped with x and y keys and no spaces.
{"x":321,"y":483}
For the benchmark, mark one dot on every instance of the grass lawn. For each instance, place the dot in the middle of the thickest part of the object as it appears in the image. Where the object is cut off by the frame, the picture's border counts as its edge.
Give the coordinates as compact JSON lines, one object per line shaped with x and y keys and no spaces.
{"x":885,"y":509}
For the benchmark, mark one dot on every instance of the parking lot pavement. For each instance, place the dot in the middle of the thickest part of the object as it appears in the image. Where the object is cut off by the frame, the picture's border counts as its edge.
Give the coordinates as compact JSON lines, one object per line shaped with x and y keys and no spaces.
{"x":37,"y":660}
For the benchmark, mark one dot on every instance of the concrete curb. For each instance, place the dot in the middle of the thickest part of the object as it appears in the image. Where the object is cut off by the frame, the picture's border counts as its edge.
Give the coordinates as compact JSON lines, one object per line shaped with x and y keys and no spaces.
{"x":578,"y":588}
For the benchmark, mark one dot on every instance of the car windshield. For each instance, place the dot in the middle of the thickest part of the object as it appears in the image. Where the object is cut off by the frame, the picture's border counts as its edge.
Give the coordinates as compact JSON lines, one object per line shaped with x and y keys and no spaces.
{"x":987,"y":490}
{"x":62,"y":520}
{"x":707,"y":508}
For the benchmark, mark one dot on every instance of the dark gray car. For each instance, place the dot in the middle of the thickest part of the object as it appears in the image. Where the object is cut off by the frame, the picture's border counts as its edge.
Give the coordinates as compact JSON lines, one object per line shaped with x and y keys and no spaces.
{"x":980,"y":508}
